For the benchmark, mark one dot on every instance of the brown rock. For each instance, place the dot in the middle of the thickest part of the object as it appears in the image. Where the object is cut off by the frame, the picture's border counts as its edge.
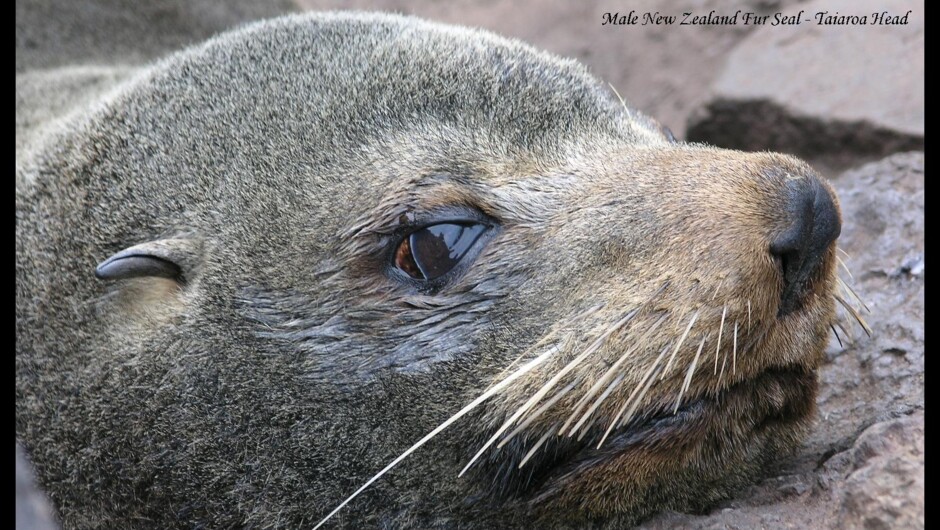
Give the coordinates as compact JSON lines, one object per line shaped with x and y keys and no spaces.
{"x":822,"y":90}
{"x":885,"y":486}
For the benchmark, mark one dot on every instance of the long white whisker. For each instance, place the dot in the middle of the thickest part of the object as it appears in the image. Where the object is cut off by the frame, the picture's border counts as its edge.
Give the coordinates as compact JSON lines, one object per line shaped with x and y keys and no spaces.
{"x":721,"y":327}
{"x":851,"y":291}
{"x":582,"y":403}
{"x":717,"y":288}
{"x":462,"y":412}
{"x":734,"y":352}
{"x":541,"y":342}
{"x":858,"y":318}
{"x":597,"y":403}
{"x":608,"y":375}
{"x":688,"y":375}
{"x":724,"y":361}
{"x":548,"y":386}
{"x":849,"y":336}
{"x":679,"y":345}
{"x":644,"y":383}
{"x":845,"y":267}
{"x":622,"y":102}
{"x":538,"y":412}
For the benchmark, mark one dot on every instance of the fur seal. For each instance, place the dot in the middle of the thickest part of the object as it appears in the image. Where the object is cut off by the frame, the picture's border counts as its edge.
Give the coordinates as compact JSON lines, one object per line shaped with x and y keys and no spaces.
{"x":326,"y":243}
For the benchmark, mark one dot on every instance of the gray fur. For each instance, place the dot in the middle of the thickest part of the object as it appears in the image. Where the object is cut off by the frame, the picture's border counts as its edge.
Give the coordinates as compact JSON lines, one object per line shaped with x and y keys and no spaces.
{"x":290,"y":365}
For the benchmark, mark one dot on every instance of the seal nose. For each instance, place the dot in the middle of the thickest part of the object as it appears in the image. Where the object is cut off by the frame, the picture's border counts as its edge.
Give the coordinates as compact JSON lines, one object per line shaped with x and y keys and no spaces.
{"x":802,"y":246}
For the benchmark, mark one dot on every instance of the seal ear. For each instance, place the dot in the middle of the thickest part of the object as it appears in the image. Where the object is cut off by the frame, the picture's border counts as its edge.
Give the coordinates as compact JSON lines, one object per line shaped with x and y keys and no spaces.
{"x":174,"y":258}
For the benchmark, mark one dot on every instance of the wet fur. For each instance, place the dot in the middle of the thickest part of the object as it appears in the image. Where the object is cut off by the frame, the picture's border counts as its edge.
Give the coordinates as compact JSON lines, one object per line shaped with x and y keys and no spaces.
{"x":289,"y":366}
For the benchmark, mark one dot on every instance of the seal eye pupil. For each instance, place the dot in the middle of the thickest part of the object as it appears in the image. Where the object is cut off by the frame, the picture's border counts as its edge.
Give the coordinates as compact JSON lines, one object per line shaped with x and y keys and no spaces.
{"x":435,"y":250}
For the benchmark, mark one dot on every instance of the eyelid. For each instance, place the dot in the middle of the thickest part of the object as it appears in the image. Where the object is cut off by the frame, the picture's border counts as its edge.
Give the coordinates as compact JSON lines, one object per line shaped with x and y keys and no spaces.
{"x":423,"y":217}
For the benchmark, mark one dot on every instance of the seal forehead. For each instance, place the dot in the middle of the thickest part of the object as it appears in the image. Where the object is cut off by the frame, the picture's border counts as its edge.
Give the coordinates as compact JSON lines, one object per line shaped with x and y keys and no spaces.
{"x":337,"y":81}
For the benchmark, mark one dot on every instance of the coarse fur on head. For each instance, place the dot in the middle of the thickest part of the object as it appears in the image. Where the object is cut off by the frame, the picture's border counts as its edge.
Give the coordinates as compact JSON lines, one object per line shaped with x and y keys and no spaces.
{"x":277,"y":359}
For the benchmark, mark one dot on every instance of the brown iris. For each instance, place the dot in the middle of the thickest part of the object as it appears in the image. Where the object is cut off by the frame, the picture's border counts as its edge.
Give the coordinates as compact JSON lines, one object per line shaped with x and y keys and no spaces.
{"x":433,"y":251}
{"x":405,"y":261}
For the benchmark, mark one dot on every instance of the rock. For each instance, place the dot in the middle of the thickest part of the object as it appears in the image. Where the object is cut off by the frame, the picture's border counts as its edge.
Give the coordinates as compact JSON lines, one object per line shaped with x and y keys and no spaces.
{"x":885,"y":484}
{"x":822,"y":90}
{"x":883,"y":232}
{"x":32,"y":508}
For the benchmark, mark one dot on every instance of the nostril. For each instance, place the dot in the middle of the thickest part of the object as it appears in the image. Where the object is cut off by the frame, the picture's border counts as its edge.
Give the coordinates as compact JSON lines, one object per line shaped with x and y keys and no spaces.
{"x":801,"y":247}
{"x":784,"y":261}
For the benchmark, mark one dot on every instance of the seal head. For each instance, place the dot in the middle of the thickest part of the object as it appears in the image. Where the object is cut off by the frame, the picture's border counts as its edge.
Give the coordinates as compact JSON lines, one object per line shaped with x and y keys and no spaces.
{"x":322,"y":237}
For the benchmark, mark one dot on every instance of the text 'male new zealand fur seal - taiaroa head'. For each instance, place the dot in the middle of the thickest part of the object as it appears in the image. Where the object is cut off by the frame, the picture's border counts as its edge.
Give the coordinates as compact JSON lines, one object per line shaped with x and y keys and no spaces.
{"x":454,"y":275}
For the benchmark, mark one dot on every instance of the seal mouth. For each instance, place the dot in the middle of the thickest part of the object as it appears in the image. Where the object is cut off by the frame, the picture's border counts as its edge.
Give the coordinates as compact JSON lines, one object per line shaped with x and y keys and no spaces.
{"x":777,"y":398}
{"x":661,"y":425}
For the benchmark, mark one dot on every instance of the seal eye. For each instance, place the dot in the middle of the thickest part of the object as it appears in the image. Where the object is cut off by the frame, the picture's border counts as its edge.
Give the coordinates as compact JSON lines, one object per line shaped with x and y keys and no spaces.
{"x":435,"y":250}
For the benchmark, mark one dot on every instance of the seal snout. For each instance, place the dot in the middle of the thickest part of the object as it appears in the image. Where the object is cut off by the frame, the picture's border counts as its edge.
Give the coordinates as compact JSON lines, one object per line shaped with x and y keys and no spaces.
{"x":801,"y":248}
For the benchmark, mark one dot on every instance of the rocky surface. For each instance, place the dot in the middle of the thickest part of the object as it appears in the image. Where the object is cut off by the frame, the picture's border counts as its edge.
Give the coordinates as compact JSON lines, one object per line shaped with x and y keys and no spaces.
{"x":834,"y":91}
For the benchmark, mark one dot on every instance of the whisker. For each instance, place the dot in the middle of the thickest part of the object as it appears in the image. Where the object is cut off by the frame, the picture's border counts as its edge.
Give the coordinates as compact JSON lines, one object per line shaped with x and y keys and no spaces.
{"x":748,"y":314}
{"x":844,"y":253}
{"x":462,"y":412}
{"x":679,"y":345}
{"x":688,"y":375}
{"x":609,"y":374}
{"x":549,"y":385}
{"x":850,"y":337}
{"x":858,"y":299}
{"x":579,"y":406}
{"x":636,"y":403}
{"x":845,"y":267}
{"x":717,"y":288}
{"x":597,"y":403}
{"x":541,"y":342}
{"x":854,"y":313}
{"x":644,"y":383}
{"x":538,"y":444}
{"x":622,"y":102}
{"x":721,"y":327}
{"x":836,"y":333}
{"x":538,"y":412}
{"x":724,"y":361}
{"x":734,"y":351}
{"x":538,"y":344}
